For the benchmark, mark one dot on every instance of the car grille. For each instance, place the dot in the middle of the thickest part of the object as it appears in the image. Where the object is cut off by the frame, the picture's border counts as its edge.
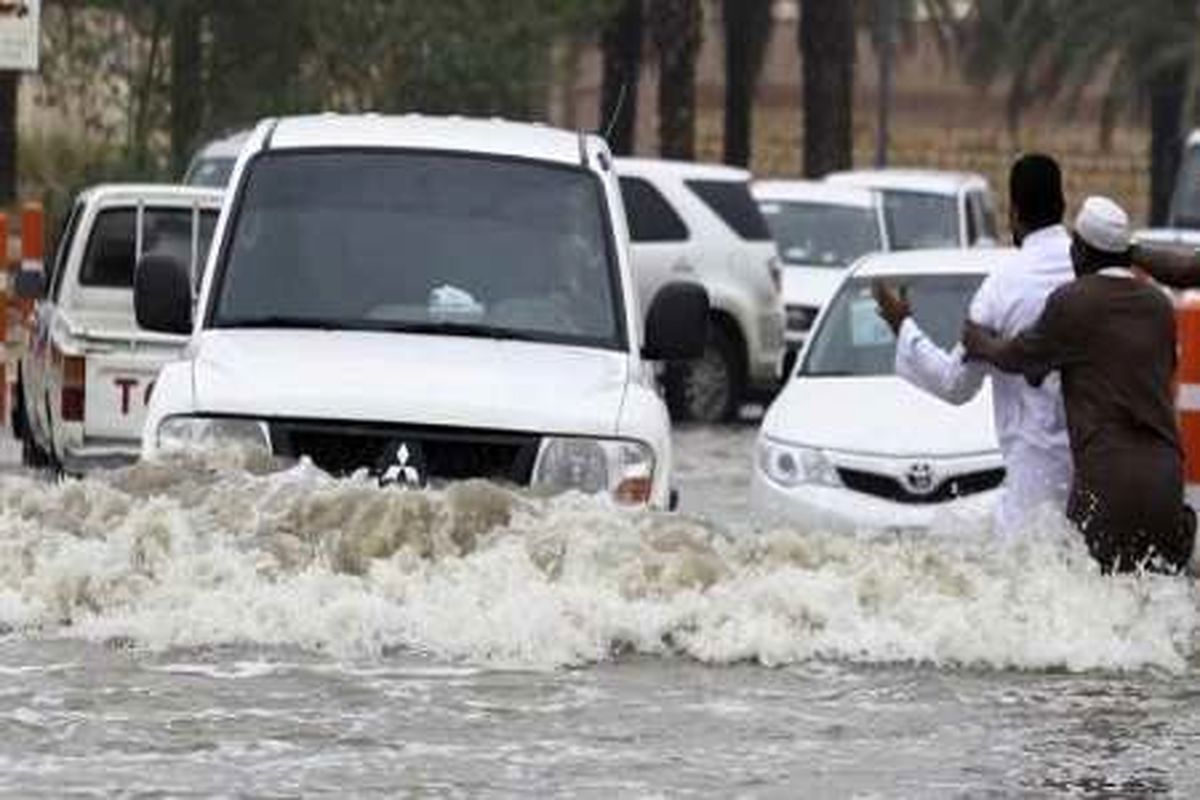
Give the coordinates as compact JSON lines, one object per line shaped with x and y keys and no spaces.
{"x":439,"y":453}
{"x":889,"y":488}
{"x":801,"y":318}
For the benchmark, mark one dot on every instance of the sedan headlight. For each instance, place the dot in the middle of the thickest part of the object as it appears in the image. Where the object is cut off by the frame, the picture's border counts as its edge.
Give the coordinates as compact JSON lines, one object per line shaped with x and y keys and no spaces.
{"x":191,"y":433}
{"x":790,"y":465}
{"x":624,"y":470}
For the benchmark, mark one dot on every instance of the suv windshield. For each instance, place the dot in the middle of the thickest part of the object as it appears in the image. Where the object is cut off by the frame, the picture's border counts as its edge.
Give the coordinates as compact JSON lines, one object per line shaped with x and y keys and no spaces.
{"x":822,"y":235}
{"x":853,"y":340}
{"x":918,"y":220}
{"x":423,"y":243}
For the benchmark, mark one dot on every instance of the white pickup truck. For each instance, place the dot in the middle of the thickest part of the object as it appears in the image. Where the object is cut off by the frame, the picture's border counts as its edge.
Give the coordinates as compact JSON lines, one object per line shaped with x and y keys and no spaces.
{"x":87,"y":370}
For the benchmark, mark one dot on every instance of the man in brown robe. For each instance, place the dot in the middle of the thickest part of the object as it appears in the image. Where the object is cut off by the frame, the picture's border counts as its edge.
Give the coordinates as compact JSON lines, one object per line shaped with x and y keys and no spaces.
{"x":1112,"y":338}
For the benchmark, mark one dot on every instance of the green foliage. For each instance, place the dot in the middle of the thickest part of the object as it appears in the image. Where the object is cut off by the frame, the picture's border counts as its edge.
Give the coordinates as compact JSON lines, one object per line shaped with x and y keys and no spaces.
{"x":107,"y":64}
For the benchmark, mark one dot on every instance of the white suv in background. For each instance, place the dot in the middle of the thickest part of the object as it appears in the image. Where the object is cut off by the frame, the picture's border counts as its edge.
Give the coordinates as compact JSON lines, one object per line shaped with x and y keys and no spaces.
{"x":925,"y":208}
{"x":213,"y":164}
{"x":699,"y":222}
{"x":821,"y":229}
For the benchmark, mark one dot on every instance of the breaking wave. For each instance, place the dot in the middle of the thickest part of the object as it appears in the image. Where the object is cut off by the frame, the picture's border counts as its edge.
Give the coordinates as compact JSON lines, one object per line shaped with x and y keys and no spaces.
{"x":189,"y":553}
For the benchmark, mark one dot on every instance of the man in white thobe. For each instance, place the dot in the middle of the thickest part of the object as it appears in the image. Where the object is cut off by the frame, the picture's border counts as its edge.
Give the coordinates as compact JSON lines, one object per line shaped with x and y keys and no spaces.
{"x":1030,"y":422}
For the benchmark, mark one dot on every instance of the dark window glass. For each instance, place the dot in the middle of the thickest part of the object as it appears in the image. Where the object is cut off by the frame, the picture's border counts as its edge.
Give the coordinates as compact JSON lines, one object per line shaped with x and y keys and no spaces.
{"x":820,"y":234}
{"x":212,"y":172}
{"x":651,"y":218}
{"x":422,"y":243}
{"x":62,"y":249}
{"x":853,"y":340}
{"x":109,"y":259}
{"x":917,"y":220}
{"x":731,"y":201}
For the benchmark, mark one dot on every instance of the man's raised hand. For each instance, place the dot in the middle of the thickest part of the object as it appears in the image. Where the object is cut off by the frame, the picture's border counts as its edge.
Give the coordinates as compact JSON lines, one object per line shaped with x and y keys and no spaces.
{"x":890,"y":305}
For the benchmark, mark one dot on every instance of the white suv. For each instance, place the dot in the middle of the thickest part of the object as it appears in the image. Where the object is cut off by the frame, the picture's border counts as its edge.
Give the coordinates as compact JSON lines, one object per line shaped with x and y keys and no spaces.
{"x":426,"y":299}
{"x":699,"y":222}
{"x":926,"y":208}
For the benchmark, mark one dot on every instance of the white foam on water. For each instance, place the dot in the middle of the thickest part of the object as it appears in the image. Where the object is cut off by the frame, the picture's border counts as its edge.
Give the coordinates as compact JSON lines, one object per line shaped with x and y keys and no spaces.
{"x":187,"y":554}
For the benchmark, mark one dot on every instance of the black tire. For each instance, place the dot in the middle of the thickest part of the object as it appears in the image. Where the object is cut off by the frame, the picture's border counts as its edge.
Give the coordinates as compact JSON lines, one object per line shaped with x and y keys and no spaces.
{"x":710,"y":389}
{"x":33,"y":455}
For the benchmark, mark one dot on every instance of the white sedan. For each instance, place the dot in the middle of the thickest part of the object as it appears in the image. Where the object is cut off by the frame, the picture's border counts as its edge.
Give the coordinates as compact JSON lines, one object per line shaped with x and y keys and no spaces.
{"x":848,"y":445}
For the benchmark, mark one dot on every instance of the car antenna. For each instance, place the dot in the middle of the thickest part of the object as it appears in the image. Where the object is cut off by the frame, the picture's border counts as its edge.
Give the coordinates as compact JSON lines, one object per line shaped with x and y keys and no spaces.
{"x":617,"y":108}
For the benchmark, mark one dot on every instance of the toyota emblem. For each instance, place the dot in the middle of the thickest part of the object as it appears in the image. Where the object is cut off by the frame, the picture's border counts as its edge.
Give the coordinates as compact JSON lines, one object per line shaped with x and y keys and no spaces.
{"x":920,"y":479}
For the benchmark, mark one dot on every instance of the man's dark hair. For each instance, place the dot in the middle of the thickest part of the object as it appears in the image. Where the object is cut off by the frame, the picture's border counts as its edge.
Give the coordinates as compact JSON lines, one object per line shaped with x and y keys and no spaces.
{"x":1035,"y":191}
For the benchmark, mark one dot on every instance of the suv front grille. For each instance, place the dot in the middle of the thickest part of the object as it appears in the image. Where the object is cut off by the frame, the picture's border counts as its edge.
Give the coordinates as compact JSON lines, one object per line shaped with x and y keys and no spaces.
{"x":889,"y":488}
{"x":341,"y":448}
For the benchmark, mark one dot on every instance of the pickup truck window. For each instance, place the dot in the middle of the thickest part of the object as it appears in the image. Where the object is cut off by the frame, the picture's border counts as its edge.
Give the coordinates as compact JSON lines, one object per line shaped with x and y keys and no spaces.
{"x":413,"y":241}
{"x":62,"y":249}
{"x":110,"y":256}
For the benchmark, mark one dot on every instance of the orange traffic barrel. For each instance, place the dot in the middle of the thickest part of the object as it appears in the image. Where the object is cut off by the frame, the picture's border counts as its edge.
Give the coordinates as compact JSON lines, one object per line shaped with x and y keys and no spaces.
{"x":1187,"y":315}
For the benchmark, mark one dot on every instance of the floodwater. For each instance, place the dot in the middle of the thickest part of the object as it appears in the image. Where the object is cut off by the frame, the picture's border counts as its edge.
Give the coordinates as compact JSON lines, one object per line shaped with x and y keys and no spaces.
{"x":191,"y":629}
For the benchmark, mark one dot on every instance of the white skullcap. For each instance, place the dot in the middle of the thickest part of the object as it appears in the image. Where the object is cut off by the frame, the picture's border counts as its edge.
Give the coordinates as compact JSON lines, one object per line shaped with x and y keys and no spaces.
{"x":1104,"y":225}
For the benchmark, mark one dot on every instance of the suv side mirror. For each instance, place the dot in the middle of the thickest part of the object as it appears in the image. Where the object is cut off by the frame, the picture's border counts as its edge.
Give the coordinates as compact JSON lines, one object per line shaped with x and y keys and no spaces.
{"x":162,"y":294}
{"x":677,"y":323}
{"x":30,"y":284}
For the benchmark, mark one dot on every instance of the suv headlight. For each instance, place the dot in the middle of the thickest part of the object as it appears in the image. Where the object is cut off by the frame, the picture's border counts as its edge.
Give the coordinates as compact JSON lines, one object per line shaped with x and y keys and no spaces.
{"x":190,"y":433}
{"x":622,"y":469}
{"x":790,"y":465}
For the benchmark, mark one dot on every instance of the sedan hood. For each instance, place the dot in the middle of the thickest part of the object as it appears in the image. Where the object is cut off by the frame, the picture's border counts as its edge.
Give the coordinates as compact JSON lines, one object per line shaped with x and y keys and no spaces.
{"x":409,"y":378}
{"x":879,"y":416}
{"x":810,"y":286}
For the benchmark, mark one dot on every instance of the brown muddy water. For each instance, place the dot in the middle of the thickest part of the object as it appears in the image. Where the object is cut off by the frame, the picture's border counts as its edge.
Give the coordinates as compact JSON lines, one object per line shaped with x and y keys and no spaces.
{"x":194,"y":630}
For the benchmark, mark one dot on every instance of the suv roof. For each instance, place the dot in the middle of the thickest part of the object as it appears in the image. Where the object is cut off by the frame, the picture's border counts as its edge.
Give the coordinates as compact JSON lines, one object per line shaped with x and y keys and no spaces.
{"x":679,"y":169}
{"x":945,"y":261}
{"x":458,"y":134}
{"x":798,"y":191}
{"x":913,"y":180}
{"x":229,"y":146}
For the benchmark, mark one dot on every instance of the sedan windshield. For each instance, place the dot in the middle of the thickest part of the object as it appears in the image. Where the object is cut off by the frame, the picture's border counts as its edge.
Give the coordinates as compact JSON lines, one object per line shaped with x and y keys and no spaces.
{"x":917,"y":220}
{"x":853,"y":340}
{"x":820,"y":234}
{"x":423,"y":243}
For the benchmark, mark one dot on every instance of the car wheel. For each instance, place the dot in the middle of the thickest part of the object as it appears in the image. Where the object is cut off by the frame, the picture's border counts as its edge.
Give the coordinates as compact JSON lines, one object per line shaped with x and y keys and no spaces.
{"x":709,"y":389}
{"x":32,"y":454}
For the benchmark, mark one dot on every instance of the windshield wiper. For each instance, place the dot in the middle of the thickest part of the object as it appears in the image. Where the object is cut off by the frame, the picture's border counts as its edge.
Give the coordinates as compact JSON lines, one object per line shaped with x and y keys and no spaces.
{"x":281,"y":321}
{"x":456,"y":329}
{"x":440,"y":328}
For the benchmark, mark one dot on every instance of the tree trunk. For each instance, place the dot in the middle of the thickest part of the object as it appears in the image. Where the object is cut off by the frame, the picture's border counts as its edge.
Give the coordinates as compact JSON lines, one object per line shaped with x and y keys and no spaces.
{"x":887,"y":24}
{"x":186,"y":83}
{"x":747,"y":32}
{"x":621,"y":45}
{"x":676,"y":28}
{"x":826,"y":39}
{"x":8,"y":138}
{"x":1168,"y":95}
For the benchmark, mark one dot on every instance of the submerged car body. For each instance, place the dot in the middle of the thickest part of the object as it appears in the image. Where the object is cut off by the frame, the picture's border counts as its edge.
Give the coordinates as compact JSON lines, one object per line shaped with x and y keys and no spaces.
{"x":429,"y":298}
{"x":848,"y":445}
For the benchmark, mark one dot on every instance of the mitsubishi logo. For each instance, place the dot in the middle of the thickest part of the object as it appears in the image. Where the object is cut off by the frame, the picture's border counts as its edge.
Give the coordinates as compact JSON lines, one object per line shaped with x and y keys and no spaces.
{"x":920,"y":479}
{"x":401,"y":465}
